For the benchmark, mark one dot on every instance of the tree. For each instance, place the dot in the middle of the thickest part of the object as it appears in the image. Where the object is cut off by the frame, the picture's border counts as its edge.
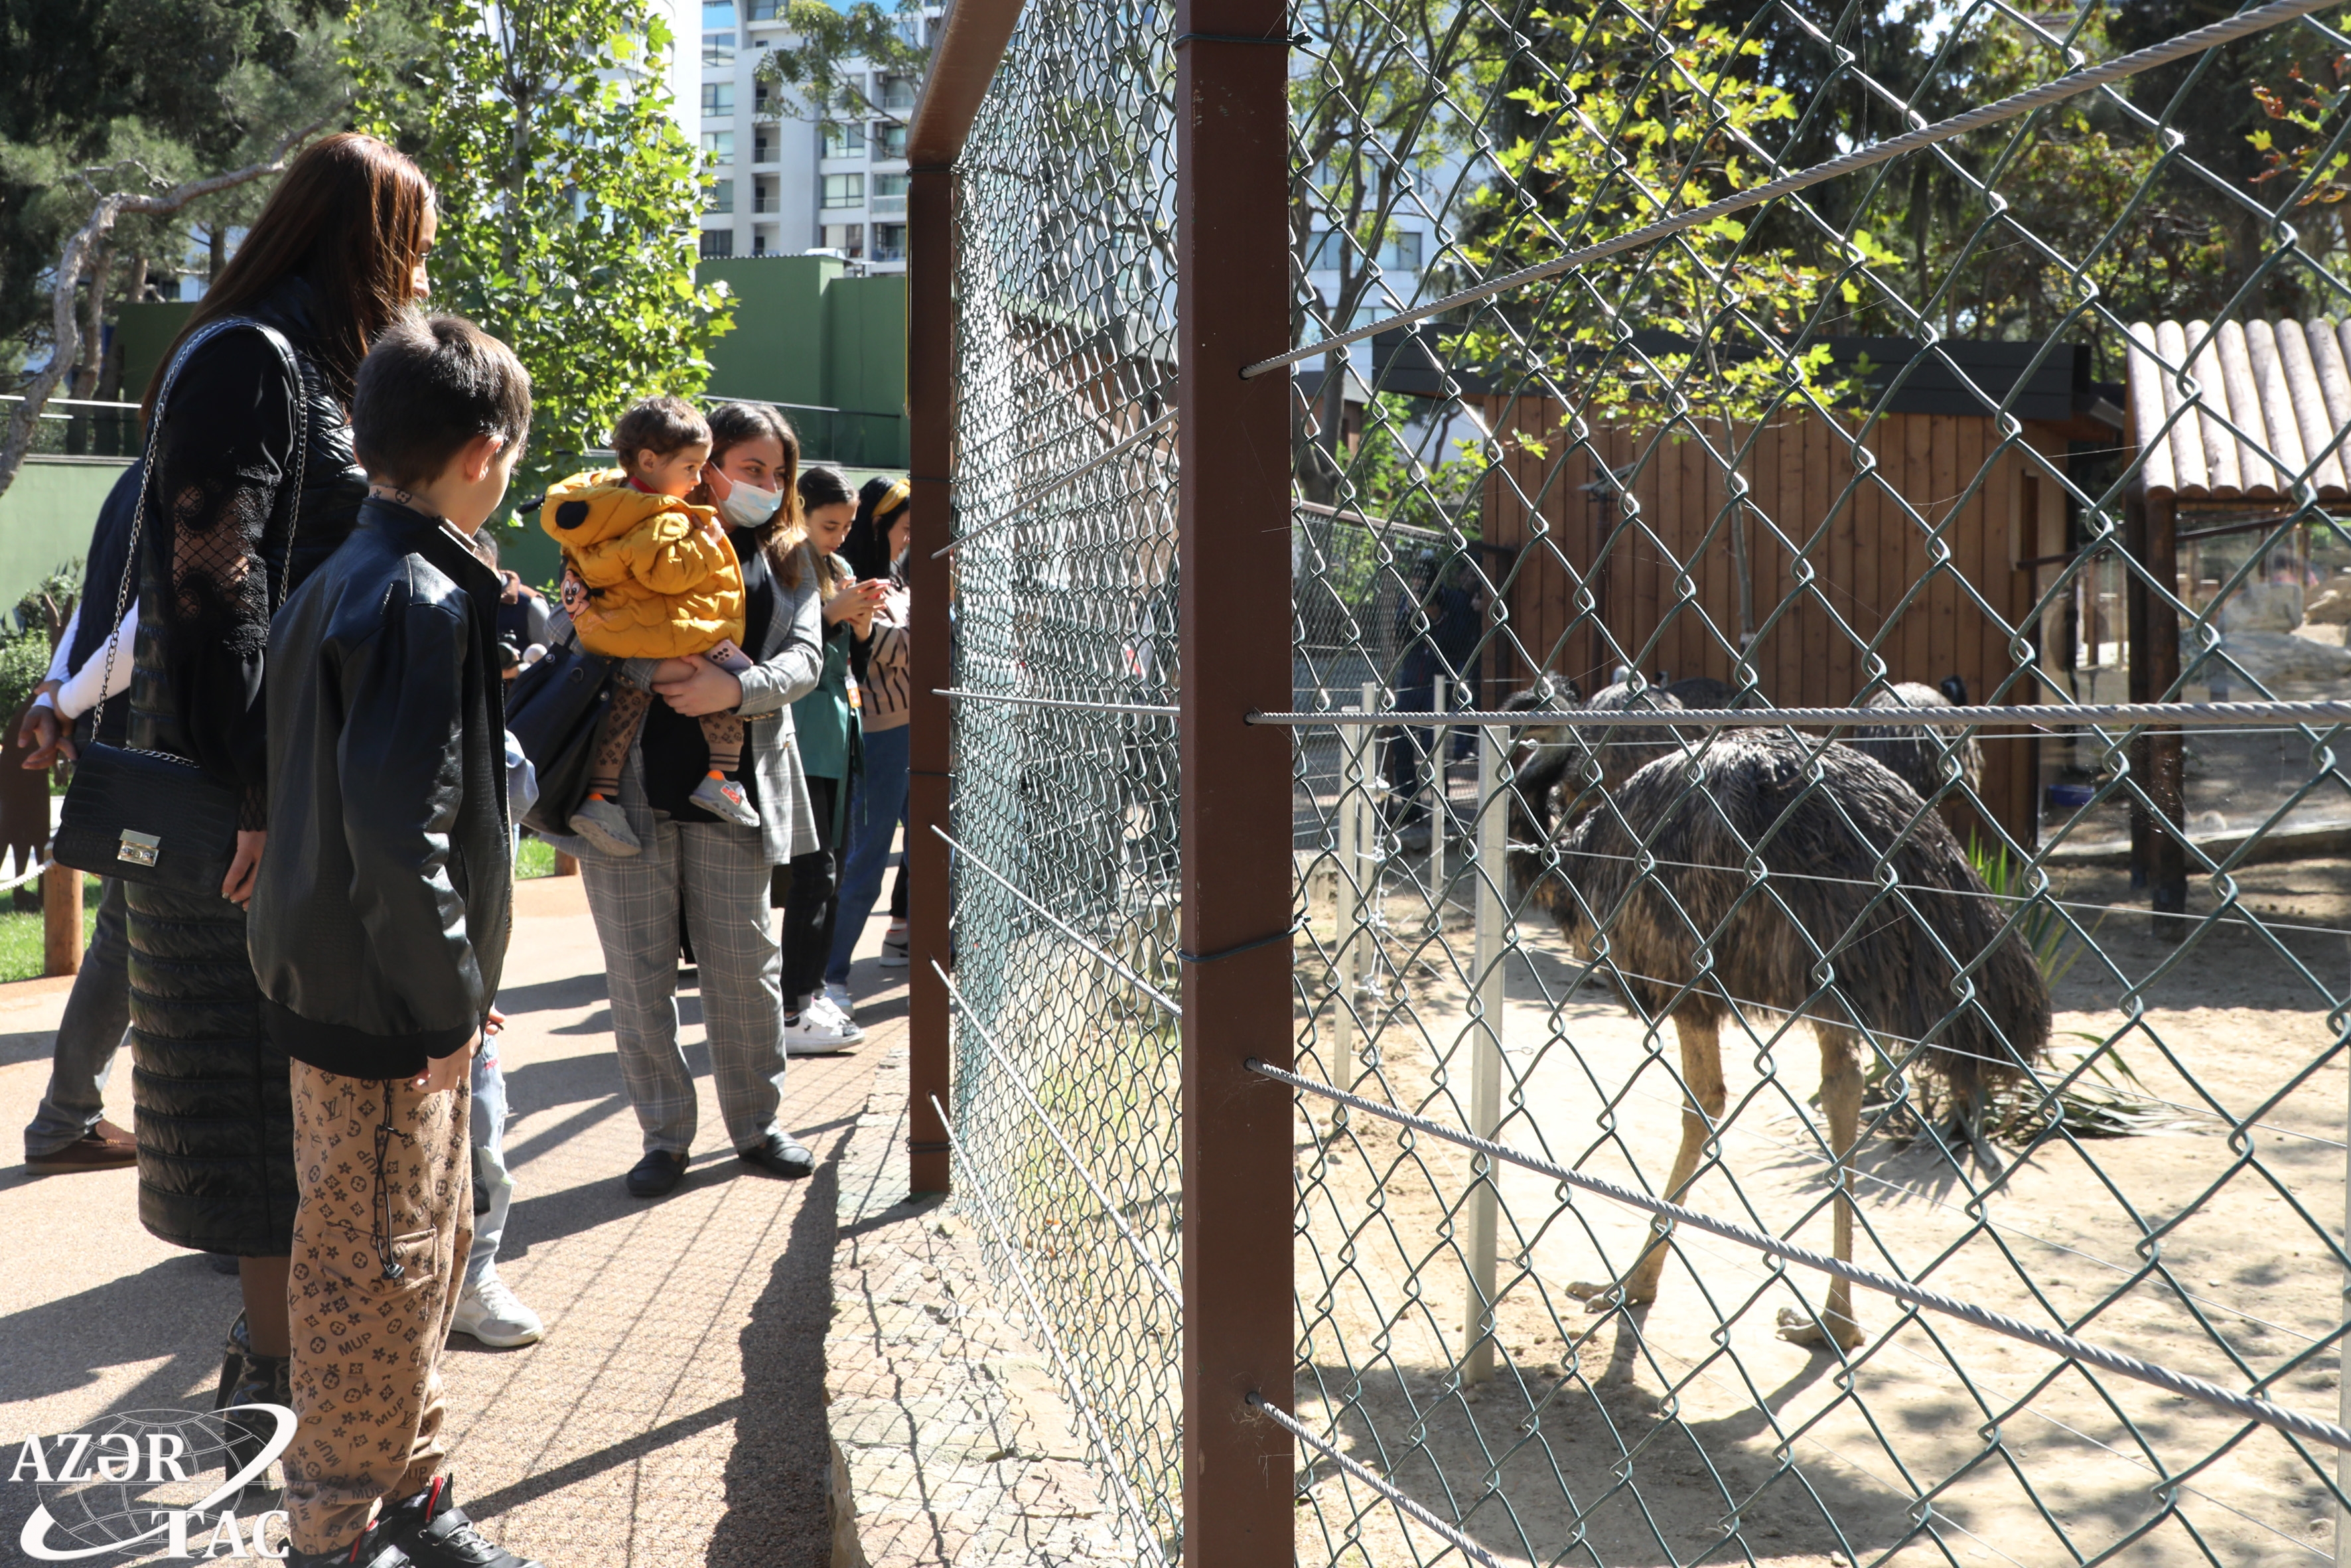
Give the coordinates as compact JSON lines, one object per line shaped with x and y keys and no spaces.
{"x":1409,"y":78}
{"x":824,"y":40}
{"x":568,"y":198}
{"x":138,"y":97}
{"x":84,"y":257}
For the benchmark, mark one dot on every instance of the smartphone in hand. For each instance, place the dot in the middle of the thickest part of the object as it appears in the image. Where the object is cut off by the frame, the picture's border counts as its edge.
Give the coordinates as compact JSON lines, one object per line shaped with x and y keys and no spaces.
{"x":729,"y":657}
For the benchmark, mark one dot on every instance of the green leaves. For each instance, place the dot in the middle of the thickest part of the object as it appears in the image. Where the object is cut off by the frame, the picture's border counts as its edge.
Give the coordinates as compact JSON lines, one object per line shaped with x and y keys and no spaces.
{"x":567,"y":198}
{"x":822,"y":38}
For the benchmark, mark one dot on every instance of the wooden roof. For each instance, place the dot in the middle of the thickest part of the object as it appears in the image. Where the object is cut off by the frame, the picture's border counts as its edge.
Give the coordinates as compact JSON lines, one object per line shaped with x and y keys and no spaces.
{"x":2241,"y":411}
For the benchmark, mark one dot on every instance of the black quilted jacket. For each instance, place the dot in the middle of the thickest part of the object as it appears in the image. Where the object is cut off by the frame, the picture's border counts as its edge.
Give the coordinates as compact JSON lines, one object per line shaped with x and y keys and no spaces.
{"x":378,"y":924}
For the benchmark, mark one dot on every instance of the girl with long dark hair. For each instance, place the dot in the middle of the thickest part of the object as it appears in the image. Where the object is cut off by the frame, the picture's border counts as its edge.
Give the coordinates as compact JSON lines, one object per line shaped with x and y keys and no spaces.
{"x":254,"y":484}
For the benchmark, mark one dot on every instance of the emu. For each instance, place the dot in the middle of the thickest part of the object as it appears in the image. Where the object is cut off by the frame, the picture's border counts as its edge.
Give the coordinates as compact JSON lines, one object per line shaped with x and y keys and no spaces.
{"x":1693,"y":940}
{"x":1914,"y":753}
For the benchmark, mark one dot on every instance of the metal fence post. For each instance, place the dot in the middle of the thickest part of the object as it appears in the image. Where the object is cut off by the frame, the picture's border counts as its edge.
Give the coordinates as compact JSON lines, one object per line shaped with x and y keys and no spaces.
{"x":1346,"y":893}
{"x":930,"y":405}
{"x":1486,"y":1050}
{"x":1232,"y":241}
{"x":1439,"y":809}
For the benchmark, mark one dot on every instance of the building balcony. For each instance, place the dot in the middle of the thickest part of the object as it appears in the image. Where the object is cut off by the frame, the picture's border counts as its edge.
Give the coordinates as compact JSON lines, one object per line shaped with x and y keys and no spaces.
{"x":889,"y":206}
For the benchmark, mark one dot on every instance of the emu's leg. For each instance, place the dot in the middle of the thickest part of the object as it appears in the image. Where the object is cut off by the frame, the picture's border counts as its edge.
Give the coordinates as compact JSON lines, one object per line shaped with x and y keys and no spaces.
{"x":1702,"y":1102}
{"x":1840,"y":1090}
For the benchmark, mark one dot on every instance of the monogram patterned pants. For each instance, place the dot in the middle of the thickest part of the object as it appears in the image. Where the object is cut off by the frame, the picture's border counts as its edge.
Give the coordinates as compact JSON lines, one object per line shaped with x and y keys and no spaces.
{"x":366,"y":1376}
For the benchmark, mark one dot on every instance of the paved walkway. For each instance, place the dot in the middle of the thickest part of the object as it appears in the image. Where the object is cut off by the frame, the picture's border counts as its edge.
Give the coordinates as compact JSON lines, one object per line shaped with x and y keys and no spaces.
{"x":674,"y":1414}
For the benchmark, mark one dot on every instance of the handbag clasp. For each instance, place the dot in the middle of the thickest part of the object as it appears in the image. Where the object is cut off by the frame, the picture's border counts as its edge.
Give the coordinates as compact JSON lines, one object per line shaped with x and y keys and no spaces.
{"x":138,"y":848}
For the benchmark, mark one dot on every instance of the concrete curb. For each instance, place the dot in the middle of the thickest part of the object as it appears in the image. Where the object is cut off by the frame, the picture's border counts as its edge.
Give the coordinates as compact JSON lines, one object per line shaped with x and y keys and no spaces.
{"x":952,"y":1445}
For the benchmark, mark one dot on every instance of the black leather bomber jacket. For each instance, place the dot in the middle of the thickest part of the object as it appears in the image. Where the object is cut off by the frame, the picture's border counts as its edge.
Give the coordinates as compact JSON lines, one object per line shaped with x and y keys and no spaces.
{"x":379,"y":925}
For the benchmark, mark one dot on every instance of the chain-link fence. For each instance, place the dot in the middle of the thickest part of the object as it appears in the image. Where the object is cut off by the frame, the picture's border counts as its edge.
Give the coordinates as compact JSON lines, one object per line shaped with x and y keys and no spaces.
{"x":1762,"y":1135}
{"x":1065,"y":1115}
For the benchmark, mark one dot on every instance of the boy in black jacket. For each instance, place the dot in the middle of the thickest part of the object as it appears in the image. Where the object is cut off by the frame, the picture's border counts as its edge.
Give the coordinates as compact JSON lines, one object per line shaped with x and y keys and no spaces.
{"x":378,"y":930}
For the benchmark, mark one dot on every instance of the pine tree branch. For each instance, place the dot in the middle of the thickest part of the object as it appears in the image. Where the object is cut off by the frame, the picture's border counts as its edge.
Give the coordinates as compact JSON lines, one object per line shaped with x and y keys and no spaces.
{"x":92,"y":241}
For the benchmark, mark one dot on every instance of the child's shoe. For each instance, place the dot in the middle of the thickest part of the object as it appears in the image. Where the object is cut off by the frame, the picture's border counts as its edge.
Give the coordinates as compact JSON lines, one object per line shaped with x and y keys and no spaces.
{"x":603,"y":824}
{"x":724,"y":799}
{"x":435,"y":1533}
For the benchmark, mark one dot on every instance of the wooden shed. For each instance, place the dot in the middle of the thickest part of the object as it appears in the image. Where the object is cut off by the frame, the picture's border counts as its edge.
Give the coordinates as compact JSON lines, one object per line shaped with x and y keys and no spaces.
{"x":2238,"y":428}
{"x":1897,"y":547}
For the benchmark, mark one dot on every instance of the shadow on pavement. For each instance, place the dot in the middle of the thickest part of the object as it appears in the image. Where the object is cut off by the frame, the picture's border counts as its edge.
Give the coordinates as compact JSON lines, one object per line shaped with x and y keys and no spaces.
{"x":178,"y":1308}
{"x":780,"y":1474}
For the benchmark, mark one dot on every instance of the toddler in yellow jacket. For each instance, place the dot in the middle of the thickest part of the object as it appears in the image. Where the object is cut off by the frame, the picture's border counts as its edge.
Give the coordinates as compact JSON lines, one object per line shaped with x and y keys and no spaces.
{"x":648,"y":575}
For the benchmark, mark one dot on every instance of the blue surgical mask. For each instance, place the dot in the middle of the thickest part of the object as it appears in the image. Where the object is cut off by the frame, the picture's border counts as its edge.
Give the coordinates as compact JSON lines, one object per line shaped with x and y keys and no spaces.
{"x":747,"y":506}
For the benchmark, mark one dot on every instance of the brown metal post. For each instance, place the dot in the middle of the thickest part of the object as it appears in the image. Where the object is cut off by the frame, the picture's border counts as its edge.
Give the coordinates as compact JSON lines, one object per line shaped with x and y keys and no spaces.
{"x":2168,"y":778}
{"x":1232,"y":271}
{"x":2158,"y":858}
{"x":930,"y":407}
{"x":61,"y":921}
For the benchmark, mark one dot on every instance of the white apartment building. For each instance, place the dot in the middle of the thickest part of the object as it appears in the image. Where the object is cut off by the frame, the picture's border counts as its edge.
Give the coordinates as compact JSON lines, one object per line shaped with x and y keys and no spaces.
{"x":786,"y":184}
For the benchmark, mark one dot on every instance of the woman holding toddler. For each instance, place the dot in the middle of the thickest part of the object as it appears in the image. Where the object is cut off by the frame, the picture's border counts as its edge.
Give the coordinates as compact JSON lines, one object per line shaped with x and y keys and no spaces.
{"x":685,"y":564}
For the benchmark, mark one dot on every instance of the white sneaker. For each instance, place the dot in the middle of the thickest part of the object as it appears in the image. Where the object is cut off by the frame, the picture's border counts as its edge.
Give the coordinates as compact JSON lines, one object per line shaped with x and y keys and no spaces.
{"x":493,"y":1315}
{"x":894,"y":947}
{"x":818,"y":1033}
{"x":823,"y":1006}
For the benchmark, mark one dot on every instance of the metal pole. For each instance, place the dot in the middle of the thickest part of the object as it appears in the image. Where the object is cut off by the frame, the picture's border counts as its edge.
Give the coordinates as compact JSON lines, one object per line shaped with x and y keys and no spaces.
{"x":1232,"y":293}
{"x":1485,"y":1050}
{"x":1345,"y":897}
{"x":930,"y":405}
{"x":1441,"y":811}
{"x":2343,"y":1374}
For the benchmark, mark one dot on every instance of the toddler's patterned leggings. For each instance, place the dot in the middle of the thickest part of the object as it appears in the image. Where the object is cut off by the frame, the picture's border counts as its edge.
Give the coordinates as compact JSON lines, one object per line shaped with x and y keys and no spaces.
{"x":617,"y":732}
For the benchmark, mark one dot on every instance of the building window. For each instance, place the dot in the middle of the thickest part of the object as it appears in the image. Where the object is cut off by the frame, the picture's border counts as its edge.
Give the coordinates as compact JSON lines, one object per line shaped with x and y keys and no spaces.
{"x":844,"y":141}
{"x":897,"y":93}
{"x":759,"y":242}
{"x":763,"y":196}
{"x":718,"y":242}
{"x":762,"y":11}
{"x":717,"y":49}
{"x":1322,"y":251}
{"x":889,"y":242}
{"x":849,"y":239}
{"x":888,"y":141}
{"x":717,"y":99}
{"x":763,"y":101}
{"x":718,"y":146}
{"x":1402,"y":252}
{"x":763,"y":148}
{"x":889,"y":195}
{"x":844,"y":190}
{"x":721,"y":198}
{"x":717,"y":13}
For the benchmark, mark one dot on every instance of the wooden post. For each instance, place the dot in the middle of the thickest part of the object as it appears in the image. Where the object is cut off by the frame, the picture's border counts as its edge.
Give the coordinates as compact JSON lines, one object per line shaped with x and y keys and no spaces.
{"x":2158,"y":855}
{"x":930,"y":401}
{"x":61,"y":921}
{"x":1232,"y":293}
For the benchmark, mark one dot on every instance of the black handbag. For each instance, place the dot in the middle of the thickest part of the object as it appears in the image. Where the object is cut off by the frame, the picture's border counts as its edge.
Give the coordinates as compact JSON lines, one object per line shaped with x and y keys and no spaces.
{"x":150,"y":817}
{"x":552,"y":710}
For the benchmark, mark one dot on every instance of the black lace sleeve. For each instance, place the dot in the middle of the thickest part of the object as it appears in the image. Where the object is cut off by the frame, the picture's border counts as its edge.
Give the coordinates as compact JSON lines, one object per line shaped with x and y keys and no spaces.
{"x":224,"y":452}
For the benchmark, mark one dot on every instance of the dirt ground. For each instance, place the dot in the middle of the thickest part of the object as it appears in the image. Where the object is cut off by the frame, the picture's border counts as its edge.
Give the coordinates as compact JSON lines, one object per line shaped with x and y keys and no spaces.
{"x":1690,"y":1430}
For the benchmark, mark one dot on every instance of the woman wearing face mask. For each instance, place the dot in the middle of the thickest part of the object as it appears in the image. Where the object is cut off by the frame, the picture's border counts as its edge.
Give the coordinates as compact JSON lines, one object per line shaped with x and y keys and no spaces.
{"x":875,"y":550}
{"x":716,"y":870}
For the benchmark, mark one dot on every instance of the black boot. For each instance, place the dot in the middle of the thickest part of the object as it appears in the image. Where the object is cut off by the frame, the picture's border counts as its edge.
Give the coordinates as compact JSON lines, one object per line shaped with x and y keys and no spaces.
{"x":248,"y":1377}
{"x":435,"y":1533}
{"x":373,"y":1549}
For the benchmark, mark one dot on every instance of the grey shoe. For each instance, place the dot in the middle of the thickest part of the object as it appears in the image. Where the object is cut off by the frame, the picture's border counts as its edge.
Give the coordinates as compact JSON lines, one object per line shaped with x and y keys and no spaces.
{"x":603,"y":824}
{"x":724,"y":799}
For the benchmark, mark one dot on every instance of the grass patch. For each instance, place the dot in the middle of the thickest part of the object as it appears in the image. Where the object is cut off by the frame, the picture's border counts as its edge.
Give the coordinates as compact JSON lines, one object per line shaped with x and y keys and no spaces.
{"x":536,"y":858}
{"x":20,"y":935}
